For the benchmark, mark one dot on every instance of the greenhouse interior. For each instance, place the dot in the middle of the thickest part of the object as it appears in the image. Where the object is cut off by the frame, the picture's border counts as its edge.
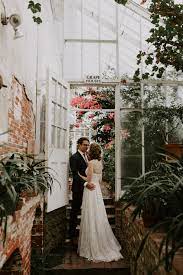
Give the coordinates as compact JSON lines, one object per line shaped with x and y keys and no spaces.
{"x":91,"y":137}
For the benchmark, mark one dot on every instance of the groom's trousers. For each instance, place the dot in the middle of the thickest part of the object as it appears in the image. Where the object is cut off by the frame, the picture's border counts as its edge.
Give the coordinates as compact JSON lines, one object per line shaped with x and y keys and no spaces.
{"x":75,"y":209}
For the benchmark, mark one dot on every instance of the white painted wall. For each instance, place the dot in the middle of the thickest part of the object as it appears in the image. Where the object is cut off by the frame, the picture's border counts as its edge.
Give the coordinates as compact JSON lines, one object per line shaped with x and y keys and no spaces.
{"x":29,"y":57}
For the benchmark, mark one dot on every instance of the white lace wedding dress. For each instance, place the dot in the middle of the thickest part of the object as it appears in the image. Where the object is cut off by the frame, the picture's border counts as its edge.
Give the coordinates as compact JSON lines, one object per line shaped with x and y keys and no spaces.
{"x":96,"y":239}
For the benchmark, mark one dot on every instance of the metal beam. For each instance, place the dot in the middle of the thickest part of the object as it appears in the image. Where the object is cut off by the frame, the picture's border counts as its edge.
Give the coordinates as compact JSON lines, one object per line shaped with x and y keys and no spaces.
{"x":138,"y":9}
{"x":117,"y":144}
{"x":129,"y":82}
{"x":90,"y":41}
{"x":81,"y":83}
{"x":91,"y":110}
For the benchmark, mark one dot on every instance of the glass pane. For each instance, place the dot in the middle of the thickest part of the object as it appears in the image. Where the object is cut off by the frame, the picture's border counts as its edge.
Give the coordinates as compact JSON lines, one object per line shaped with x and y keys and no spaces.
{"x":42,"y":124}
{"x":162,"y":118}
{"x":131,"y":144}
{"x":53,"y":114}
{"x":63,"y":139}
{"x":108,"y":19}
{"x":90,"y":19}
{"x":72,"y":64}
{"x":130,"y":96}
{"x":72,"y":18}
{"x":65,"y":118}
{"x":59,"y":116}
{"x":108,"y":59}
{"x":53,"y":135}
{"x":58,"y":138}
{"x":60,"y":94}
{"x":65,"y":97}
{"x":53,"y":90}
{"x":90,"y":58}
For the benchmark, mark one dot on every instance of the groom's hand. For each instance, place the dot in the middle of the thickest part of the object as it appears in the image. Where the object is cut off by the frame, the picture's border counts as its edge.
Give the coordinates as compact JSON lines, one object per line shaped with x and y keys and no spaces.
{"x":90,"y":186}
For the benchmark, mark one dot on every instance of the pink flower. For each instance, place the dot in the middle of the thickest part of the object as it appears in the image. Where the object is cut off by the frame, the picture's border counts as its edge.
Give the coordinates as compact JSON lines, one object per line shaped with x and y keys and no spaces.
{"x":109,"y":145}
{"x":111,"y":116}
{"x":80,"y":113}
{"x":76,"y":101}
{"x":85,"y":102}
{"x":94,"y":124}
{"x":125,"y":134}
{"x":106,"y":128}
{"x":91,"y":116}
{"x":76,"y":125}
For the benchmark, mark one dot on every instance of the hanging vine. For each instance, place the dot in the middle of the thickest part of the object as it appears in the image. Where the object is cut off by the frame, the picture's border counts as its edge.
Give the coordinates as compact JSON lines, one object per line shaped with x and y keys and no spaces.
{"x":35,"y":8}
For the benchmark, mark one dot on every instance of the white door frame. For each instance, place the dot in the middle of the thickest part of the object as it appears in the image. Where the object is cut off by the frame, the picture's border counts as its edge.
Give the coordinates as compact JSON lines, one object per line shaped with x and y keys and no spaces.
{"x":51,"y":149}
{"x":115,"y":84}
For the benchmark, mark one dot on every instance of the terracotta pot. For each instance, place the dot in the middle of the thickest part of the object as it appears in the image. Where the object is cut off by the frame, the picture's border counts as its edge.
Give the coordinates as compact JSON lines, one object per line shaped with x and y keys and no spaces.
{"x":20,"y":203}
{"x":175,"y":149}
{"x":28,"y":194}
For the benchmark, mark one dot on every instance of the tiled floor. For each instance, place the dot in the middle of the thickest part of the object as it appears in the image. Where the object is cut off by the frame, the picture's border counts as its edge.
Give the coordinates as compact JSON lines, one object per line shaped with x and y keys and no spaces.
{"x":68,"y":259}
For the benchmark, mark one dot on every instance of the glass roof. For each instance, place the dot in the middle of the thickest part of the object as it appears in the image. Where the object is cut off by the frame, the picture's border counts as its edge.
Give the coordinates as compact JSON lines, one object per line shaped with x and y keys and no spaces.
{"x":100,"y":34}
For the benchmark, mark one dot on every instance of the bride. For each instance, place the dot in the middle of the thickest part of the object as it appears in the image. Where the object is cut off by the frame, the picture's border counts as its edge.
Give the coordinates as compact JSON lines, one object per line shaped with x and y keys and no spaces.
{"x":96,"y":239}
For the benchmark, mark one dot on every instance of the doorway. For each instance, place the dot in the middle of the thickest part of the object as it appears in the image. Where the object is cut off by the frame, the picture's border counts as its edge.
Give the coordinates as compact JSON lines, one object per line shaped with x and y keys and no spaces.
{"x":94,"y":113}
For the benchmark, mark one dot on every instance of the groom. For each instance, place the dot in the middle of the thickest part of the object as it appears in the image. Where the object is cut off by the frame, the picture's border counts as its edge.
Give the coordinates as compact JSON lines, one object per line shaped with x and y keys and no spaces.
{"x":78,"y":165}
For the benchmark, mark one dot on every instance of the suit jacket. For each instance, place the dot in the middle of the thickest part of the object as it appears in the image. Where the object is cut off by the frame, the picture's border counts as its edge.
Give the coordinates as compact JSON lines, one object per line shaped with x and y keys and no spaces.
{"x":77,"y":164}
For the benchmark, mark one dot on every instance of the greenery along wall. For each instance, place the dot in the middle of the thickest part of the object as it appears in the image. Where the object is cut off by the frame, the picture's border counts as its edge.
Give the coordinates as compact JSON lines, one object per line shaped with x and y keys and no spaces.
{"x":157,"y":117}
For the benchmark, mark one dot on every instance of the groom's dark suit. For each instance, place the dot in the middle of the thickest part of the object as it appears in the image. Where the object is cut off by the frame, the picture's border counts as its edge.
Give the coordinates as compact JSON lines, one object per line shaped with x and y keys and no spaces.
{"x":77,"y":164}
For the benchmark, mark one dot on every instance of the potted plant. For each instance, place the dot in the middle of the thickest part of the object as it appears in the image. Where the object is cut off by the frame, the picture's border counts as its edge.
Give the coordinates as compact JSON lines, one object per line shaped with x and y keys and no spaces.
{"x":158,"y":197}
{"x":169,"y":245}
{"x":158,"y":193}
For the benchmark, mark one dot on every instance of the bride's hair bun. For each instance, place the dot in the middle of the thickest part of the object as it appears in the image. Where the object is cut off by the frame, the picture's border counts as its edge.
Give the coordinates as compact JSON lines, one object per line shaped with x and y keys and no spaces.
{"x":95,"y":151}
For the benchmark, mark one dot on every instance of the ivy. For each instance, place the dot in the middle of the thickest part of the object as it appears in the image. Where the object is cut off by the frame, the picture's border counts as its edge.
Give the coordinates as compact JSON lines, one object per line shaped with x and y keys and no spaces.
{"x":35,"y":8}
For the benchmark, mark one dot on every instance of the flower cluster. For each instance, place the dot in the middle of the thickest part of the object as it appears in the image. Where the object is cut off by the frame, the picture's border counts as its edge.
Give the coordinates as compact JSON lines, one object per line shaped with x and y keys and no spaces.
{"x":85,"y":102}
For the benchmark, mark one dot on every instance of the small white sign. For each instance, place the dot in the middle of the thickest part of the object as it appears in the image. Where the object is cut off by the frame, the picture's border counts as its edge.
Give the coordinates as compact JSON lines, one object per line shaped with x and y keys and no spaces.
{"x":92,"y":79}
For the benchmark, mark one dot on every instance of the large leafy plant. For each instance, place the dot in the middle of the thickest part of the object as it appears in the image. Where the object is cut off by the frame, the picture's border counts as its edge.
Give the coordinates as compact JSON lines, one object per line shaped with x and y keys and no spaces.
{"x":21,"y":173}
{"x":159,"y":193}
{"x":26,"y":173}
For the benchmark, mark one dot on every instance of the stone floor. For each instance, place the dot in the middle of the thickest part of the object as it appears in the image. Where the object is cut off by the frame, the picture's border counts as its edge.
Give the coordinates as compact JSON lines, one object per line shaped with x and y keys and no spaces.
{"x":67,"y":261}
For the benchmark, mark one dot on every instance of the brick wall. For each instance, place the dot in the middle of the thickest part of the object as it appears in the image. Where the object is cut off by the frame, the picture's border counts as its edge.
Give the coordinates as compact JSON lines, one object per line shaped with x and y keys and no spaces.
{"x":15,"y":255}
{"x":54,"y":229}
{"x":21,"y":125}
{"x":26,"y":246}
{"x":130,"y":235}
